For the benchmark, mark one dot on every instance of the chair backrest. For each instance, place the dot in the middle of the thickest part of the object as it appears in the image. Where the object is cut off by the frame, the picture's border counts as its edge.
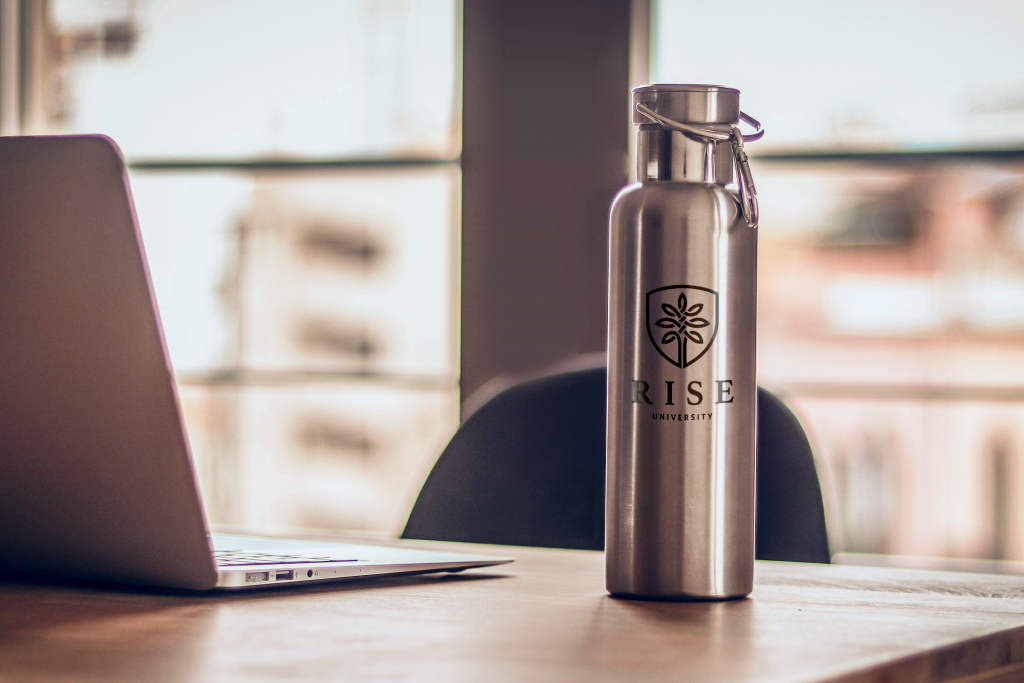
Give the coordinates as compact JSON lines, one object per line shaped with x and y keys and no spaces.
{"x":528,"y":468}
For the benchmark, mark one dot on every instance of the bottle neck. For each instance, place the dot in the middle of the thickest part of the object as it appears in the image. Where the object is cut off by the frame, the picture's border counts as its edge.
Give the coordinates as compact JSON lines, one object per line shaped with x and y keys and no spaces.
{"x":668,"y":155}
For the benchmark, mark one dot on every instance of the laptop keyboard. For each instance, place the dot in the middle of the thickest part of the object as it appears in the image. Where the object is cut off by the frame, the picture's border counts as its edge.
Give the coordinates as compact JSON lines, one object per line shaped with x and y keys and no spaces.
{"x":234,"y":558}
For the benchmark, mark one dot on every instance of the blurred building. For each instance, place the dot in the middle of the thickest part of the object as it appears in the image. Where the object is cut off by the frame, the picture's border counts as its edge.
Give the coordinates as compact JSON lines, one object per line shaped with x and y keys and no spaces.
{"x":891,"y":316}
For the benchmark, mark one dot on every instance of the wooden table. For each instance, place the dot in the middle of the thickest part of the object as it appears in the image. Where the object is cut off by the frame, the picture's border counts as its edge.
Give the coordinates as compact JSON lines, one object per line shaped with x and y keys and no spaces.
{"x":544,"y":618}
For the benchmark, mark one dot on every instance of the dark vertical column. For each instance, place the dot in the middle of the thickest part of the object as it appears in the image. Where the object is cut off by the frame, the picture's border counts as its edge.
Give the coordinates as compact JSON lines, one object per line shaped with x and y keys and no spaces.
{"x":545,"y":133}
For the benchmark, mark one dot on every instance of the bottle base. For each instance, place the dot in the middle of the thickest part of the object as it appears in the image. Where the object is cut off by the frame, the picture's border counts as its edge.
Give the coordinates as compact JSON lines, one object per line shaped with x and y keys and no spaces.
{"x":677,"y":598}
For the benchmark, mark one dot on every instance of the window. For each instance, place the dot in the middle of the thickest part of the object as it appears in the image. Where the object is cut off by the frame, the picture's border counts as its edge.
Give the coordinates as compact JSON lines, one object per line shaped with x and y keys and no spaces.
{"x":891,"y":309}
{"x":295,"y":172}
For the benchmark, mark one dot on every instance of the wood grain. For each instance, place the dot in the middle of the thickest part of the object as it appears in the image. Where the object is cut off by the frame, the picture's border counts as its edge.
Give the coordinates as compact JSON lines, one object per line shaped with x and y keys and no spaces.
{"x":544,"y":618}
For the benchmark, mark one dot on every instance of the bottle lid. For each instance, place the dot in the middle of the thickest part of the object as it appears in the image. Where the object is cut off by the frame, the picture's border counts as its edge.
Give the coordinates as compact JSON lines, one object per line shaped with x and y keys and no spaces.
{"x":707,"y":104}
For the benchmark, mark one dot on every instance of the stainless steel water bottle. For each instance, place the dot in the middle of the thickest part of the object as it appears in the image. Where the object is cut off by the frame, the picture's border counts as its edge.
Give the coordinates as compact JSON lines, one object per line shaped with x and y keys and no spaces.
{"x":682,"y":397}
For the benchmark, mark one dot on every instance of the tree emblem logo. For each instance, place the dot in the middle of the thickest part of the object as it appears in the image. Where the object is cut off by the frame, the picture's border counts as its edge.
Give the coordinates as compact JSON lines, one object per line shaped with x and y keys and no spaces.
{"x":682,"y":322}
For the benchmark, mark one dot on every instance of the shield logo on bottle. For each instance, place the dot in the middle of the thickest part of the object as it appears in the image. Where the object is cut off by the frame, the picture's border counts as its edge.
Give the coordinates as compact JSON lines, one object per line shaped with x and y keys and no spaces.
{"x":682,"y":322}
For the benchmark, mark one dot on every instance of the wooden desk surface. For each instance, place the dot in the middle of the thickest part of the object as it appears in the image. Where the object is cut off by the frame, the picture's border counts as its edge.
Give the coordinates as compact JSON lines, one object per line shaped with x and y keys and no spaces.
{"x":544,"y":618}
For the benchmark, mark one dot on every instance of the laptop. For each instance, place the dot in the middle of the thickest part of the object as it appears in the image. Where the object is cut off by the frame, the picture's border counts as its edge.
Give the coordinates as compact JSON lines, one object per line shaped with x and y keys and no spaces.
{"x":96,"y":477}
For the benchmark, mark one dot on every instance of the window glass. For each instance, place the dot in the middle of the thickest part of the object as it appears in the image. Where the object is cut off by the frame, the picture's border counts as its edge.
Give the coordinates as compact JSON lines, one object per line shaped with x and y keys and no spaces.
{"x":229,"y":78}
{"x":890,"y":311}
{"x":320,"y":452}
{"x":341,"y":271}
{"x":294,"y":169}
{"x":874,"y":73}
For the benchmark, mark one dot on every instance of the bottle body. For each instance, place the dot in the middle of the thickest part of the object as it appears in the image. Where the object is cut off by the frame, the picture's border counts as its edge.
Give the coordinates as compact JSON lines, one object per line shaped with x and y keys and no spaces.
{"x":682,"y":395}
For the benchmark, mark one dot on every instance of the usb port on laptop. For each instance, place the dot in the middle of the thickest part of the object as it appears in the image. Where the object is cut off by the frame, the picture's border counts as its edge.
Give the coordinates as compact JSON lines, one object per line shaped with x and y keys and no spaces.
{"x":284,"y":575}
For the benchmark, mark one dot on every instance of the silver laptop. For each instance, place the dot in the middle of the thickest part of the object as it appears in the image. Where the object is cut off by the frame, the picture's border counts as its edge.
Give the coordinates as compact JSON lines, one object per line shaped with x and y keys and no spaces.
{"x":96,"y":479}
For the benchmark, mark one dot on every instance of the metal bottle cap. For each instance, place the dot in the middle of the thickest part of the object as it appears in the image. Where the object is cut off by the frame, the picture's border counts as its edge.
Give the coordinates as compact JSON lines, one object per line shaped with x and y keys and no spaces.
{"x":700,"y":104}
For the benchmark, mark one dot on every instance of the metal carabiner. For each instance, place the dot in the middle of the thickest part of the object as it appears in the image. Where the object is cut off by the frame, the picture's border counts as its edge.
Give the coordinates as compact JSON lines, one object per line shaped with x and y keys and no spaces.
{"x":745,"y":179}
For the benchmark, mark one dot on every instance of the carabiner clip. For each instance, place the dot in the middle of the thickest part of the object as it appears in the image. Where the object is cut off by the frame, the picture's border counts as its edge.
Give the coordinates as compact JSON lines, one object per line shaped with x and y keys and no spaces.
{"x":748,"y":193}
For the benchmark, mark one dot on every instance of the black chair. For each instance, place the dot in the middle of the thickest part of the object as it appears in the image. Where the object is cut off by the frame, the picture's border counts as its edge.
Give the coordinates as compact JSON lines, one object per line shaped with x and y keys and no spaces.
{"x":528,"y":468}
